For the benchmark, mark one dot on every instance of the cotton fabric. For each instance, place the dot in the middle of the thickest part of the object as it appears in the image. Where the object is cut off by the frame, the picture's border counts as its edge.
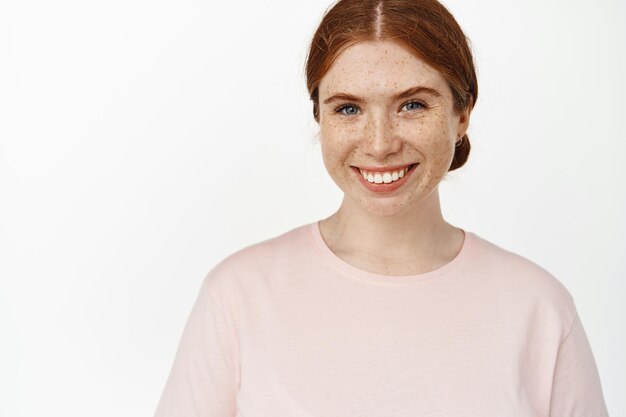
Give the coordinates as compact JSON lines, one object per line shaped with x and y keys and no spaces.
{"x":284,"y":327}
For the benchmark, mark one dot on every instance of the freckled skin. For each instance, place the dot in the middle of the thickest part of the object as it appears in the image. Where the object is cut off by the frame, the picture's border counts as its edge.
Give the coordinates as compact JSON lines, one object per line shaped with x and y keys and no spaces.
{"x":382,"y":134}
{"x":383,"y":131}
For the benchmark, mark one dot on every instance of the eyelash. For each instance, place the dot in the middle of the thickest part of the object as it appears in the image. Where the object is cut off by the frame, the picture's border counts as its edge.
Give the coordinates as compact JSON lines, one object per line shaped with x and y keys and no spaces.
{"x":344,"y":106}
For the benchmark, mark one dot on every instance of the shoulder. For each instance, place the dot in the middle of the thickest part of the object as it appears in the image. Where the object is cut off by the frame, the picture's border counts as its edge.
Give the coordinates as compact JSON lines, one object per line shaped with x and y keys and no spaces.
{"x":520,"y":279}
{"x":515,"y":268}
{"x":261,"y":258}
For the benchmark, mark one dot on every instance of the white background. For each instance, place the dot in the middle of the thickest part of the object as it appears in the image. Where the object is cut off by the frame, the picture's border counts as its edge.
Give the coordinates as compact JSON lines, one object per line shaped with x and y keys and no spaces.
{"x":141,"y":142}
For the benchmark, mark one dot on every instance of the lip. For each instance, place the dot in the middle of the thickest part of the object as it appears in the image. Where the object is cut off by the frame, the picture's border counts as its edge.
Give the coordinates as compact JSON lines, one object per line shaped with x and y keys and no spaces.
{"x":382,"y":169}
{"x":384,"y":188}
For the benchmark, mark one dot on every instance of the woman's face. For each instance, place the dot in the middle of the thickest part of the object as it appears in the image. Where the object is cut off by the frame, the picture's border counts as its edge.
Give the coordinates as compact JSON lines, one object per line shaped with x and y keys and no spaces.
{"x":382,"y":107}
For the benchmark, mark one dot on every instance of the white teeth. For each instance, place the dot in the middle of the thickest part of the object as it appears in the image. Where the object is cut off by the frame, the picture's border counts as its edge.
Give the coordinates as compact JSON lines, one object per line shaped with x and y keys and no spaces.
{"x":383,"y":177}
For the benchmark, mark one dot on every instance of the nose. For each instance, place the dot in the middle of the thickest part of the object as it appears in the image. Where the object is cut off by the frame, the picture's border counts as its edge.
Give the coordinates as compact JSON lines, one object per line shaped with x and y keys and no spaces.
{"x":380,"y":137}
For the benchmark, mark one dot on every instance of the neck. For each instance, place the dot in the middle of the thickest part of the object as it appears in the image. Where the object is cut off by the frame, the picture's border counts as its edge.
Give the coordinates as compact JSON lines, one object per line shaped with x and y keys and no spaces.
{"x":420,"y":233}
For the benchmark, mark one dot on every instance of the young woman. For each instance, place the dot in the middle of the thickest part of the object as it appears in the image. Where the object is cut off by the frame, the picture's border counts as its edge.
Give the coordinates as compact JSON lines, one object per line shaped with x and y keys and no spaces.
{"x":384,"y":308}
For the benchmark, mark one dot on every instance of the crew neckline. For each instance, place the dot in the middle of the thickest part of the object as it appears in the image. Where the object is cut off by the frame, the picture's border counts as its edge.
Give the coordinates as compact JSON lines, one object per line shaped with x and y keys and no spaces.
{"x":356,"y":272}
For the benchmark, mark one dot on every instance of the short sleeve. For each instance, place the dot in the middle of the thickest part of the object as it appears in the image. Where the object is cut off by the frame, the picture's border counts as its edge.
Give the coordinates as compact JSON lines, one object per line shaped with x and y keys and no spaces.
{"x":203,"y":380}
{"x":576,"y":388}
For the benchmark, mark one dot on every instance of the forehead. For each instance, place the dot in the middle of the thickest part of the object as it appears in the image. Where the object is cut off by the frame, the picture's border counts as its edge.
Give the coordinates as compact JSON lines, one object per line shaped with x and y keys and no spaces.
{"x":379,"y":68}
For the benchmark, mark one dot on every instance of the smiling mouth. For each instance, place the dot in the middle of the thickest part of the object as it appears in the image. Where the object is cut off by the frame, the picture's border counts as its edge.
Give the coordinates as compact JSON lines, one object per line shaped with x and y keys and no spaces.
{"x":384,"y":176}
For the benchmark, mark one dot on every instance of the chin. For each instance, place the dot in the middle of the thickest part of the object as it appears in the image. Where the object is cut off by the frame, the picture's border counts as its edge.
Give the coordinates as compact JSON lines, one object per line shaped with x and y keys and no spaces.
{"x":386,"y":207}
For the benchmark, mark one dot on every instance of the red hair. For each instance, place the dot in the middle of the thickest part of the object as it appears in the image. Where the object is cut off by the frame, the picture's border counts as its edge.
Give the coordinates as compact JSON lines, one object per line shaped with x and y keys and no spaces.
{"x":424,"y":27}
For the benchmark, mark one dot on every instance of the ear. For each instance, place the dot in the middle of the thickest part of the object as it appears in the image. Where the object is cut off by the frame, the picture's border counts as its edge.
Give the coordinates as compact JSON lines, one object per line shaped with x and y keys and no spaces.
{"x":464,"y":118}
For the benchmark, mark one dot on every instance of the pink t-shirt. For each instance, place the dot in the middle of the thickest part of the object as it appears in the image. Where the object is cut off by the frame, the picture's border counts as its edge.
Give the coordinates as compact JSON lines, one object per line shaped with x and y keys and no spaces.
{"x":285,"y":328}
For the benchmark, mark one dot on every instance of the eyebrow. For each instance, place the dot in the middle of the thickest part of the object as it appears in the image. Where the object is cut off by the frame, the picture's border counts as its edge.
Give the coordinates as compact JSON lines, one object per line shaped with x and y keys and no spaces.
{"x":404,"y":94}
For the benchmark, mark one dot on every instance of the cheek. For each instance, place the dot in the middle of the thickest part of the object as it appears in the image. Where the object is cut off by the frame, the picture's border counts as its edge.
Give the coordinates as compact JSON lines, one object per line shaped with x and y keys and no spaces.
{"x":432,"y":134}
{"x":432,"y":139}
{"x":336,"y":138}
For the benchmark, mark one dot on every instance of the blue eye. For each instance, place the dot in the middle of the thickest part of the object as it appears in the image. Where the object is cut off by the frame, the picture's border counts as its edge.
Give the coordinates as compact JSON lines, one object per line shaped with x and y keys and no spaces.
{"x":414,"y":105}
{"x":348,"y":110}
{"x":351,"y":109}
